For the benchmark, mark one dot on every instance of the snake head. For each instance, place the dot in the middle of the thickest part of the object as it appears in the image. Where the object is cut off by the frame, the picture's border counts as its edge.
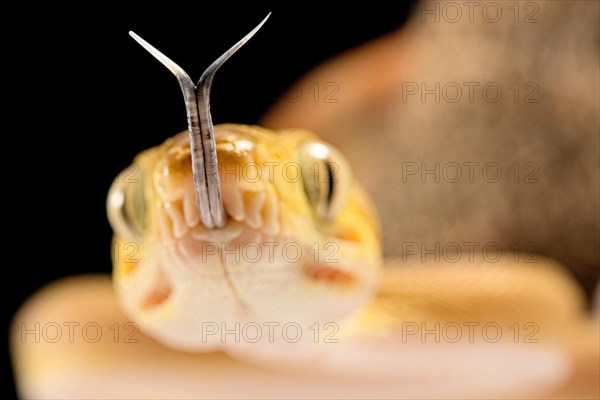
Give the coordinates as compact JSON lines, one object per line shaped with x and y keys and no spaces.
{"x":238,"y":224}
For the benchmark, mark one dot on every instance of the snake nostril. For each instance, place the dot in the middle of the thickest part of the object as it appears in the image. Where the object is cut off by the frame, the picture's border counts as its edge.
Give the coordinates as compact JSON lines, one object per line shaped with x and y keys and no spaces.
{"x":158,"y":294}
{"x":324,"y":273}
{"x":156,"y":297}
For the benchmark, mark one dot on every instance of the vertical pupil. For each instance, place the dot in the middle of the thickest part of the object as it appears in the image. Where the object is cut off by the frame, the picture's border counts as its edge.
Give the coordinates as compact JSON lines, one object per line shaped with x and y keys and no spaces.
{"x":320,"y":167}
{"x":330,"y":173}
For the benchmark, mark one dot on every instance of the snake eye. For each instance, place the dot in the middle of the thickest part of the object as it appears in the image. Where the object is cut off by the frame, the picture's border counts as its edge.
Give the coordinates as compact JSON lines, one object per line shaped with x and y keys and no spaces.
{"x":126,"y":205}
{"x":326,"y":177}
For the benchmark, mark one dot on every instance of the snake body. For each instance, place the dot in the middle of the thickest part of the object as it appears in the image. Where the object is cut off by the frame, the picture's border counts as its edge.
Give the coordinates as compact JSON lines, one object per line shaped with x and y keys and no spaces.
{"x":278,"y":260}
{"x":267,"y":249}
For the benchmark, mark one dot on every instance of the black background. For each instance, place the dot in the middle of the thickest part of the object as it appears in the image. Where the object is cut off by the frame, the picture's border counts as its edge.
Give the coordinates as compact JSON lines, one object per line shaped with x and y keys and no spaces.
{"x":86,"y":98}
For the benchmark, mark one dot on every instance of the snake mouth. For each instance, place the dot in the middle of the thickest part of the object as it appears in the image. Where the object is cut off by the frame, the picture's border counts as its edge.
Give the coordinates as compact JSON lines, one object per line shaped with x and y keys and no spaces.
{"x":249,"y":195}
{"x":256,"y":210}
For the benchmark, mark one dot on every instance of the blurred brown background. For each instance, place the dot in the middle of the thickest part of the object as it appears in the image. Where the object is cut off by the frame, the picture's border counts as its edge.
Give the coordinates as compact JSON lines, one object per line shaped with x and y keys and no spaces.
{"x":475,"y":124}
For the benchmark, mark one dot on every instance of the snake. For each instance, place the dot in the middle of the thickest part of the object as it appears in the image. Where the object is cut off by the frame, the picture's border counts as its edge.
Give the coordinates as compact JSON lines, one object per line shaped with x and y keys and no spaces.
{"x":293,"y":277}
